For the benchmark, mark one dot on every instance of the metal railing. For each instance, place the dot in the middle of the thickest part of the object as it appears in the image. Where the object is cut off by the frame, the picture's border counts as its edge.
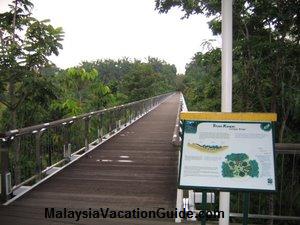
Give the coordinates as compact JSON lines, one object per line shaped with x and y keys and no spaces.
{"x":28,"y":154}
{"x":283,"y":206}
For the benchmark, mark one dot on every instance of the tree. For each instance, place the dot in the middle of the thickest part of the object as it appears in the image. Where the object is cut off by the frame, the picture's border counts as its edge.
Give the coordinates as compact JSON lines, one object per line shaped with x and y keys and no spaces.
{"x":81,"y":80}
{"x":203,"y":81}
{"x":190,"y":7}
{"x":266,"y":54}
{"x":139,"y":82}
{"x":25,"y":45}
{"x":167,"y":74}
{"x":117,"y":74}
{"x":266,"y":51}
{"x":81,"y":91}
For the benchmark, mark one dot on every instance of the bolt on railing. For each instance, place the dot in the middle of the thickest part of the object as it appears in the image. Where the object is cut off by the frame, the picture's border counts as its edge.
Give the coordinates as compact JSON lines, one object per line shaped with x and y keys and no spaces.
{"x":43,"y":147}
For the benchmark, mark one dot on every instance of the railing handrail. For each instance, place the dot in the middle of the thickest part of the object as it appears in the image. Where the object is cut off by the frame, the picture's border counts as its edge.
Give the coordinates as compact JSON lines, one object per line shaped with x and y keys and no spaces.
{"x":92,"y":126}
{"x":287,"y":148}
{"x":30,"y":129}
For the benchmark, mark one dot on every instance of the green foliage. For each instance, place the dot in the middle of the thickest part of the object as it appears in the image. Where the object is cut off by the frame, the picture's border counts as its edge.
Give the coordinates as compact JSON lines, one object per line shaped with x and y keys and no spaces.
{"x":190,"y":7}
{"x":140,"y":83}
{"x":265,"y":61}
{"x":148,"y":79}
{"x":81,"y":75}
{"x":25,"y":45}
{"x":265,"y":77}
{"x":145,"y":78}
{"x":202,"y":87}
{"x":70,"y":107}
{"x":56,"y":93}
{"x":102,"y":83}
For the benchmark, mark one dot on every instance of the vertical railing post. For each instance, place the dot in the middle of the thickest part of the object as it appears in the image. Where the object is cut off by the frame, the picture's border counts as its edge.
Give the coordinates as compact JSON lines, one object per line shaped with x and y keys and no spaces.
{"x":117,"y":119}
{"x":38,"y":161}
{"x":66,"y":140}
{"x":130,"y":114}
{"x":111,"y":115}
{"x":125,"y":115}
{"x":140,"y":109}
{"x":121,"y":114}
{"x":134,"y":111}
{"x":120,"y":118}
{"x":5,"y":174}
{"x":86,"y":133}
{"x":137,"y":110}
{"x":15,"y":143}
{"x":100,"y":128}
{"x":49,"y":157}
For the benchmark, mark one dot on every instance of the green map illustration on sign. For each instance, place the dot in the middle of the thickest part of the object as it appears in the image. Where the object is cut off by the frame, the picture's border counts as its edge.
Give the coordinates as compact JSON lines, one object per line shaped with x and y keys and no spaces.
{"x":239,"y":165}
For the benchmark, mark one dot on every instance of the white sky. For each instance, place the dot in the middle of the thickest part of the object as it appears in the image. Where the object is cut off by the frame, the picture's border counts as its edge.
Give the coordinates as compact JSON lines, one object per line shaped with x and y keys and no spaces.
{"x":99,"y":29}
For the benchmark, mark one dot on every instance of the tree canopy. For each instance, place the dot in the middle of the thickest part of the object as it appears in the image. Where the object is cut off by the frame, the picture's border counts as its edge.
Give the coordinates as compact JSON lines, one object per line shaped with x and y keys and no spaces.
{"x":26,"y":44}
{"x":265,"y":59}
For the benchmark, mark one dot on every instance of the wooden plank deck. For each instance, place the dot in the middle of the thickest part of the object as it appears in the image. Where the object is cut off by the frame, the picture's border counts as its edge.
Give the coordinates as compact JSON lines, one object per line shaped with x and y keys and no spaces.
{"x":135,"y":169}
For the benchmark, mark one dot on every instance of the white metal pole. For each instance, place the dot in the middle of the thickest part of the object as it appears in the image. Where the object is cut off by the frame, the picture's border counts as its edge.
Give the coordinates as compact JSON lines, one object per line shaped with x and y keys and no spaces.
{"x":224,"y":204}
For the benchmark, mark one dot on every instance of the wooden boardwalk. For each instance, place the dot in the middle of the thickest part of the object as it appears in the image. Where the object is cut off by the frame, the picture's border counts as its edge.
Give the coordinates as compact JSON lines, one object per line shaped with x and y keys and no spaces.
{"x":135,"y":169}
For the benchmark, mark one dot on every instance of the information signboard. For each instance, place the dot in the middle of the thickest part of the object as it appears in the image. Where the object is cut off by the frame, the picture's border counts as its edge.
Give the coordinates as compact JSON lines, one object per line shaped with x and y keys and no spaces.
{"x":227,"y":153}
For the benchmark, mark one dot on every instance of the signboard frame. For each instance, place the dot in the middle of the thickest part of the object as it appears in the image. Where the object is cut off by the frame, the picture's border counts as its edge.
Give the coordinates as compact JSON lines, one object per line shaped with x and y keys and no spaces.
{"x":252,"y":118}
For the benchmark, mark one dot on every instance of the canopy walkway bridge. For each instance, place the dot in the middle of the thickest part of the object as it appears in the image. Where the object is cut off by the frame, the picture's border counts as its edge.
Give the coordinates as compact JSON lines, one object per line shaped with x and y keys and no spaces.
{"x":121,"y":158}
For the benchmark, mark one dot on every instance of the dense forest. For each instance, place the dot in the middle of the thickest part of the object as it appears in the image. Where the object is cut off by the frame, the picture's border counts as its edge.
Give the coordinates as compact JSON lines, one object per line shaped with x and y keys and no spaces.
{"x":61,"y":93}
{"x":33,"y":90}
{"x":266,"y":68}
{"x":266,"y":54}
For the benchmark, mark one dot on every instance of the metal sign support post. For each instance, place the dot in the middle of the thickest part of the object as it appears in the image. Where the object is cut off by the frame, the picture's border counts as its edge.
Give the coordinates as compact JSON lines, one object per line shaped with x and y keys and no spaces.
{"x":246,"y":198}
{"x":204,"y":203}
{"x":226,"y":88}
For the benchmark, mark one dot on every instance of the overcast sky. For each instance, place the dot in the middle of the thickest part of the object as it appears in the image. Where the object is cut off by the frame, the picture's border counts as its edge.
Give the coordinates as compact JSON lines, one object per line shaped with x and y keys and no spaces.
{"x":99,"y":29}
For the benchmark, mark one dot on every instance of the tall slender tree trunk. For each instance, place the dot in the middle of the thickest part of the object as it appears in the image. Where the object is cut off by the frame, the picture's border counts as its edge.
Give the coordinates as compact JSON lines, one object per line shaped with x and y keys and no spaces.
{"x":13,"y":109}
{"x":13,"y":125}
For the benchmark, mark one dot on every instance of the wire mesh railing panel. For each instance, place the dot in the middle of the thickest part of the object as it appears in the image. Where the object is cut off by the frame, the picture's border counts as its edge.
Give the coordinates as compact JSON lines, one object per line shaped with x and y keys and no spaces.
{"x":52,"y":144}
{"x":28,"y":153}
{"x":282,"y":205}
{"x":75,"y":135}
{"x":26,"y":164}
